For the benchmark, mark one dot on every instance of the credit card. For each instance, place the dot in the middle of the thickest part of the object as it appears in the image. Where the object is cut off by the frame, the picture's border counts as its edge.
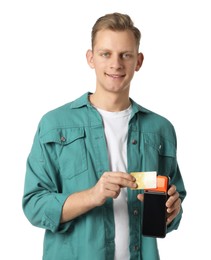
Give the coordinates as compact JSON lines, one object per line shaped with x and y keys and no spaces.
{"x":145,"y":180}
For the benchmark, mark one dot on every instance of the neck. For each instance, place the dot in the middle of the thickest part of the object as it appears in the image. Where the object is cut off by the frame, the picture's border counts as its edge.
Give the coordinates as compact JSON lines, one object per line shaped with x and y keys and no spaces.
{"x":110,"y":102}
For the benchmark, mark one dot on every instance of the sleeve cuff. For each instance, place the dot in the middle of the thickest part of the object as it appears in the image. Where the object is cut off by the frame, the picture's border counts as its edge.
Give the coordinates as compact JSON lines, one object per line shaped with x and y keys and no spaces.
{"x":52,"y":215}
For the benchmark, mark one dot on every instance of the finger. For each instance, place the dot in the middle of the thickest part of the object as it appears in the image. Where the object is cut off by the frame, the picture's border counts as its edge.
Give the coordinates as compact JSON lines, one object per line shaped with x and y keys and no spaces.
{"x":116,"y":195}
{"x":172,"y":190}
{"x":121,"y":179}
{"x":111,"y":194}
{"x":122,"y":175}
{"x":109,"y":189}
{"x":175,"y":206}
{"x":112,"y":187}
{"x":170,"y":219}
{"x":140,"y":197}
{"x":172,"y":216}
{"x":172,"y":199}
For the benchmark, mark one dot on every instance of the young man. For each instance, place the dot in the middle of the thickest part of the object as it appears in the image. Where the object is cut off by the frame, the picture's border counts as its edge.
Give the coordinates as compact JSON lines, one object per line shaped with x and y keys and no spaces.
{"x":77,"y":186}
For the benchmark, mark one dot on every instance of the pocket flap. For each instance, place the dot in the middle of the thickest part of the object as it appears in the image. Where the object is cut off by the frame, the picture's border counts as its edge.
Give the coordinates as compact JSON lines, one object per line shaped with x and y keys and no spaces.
{"x":63,"y":135}
{"x":163,"y":146}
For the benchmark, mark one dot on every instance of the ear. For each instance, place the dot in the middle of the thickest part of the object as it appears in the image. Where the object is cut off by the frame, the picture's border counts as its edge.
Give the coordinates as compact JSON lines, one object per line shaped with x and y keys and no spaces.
{"x":89,"y":58}
{"x":139,"y":61}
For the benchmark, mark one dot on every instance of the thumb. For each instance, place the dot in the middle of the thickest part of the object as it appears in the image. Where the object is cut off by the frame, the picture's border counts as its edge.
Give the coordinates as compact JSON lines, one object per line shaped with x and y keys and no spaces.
{"x":140,"y":197}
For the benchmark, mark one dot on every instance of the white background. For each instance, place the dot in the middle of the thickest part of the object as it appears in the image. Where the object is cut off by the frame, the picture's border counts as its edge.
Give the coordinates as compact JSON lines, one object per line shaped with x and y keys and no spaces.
{"x":43,"y":65}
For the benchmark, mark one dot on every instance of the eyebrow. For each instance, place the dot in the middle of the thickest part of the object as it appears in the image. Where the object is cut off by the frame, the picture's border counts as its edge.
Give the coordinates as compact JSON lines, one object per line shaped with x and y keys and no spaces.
{"x":107,"y":50}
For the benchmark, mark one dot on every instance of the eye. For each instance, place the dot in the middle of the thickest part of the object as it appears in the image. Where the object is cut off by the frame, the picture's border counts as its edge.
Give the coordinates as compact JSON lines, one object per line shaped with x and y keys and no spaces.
{"x":126,"y":56}
{"x":105,"y":54}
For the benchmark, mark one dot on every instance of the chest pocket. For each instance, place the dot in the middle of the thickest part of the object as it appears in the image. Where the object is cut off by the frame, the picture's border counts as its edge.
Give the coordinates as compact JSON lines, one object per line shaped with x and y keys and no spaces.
{"x":160,"y":154}
{"x":66,"y":146}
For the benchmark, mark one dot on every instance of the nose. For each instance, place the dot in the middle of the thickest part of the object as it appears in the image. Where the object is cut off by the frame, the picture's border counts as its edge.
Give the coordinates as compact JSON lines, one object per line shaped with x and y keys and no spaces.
{"x":116,"y":62}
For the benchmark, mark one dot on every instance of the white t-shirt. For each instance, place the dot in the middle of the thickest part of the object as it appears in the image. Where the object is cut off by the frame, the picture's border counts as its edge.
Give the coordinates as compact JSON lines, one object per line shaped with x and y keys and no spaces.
{"x":116,"y":132}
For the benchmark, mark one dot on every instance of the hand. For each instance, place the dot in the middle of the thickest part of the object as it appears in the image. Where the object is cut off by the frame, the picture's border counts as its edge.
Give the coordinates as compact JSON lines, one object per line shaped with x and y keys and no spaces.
{"x":109,"y":186}
{"x":173,"y":204}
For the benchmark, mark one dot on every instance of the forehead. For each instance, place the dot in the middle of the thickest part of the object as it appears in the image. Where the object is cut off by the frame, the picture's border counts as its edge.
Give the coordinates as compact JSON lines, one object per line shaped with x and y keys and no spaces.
{"x":114,"y":40}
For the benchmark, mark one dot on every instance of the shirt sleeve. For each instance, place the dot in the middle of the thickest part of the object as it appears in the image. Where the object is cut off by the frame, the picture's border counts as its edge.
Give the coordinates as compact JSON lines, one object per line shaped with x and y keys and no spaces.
{"x":177,"y":180}
{"x":43,"y":199}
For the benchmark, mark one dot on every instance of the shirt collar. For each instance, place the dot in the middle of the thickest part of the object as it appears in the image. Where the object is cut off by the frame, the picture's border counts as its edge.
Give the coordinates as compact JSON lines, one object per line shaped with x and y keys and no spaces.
{"x":84,"y":101}
{"x":81,"y":101}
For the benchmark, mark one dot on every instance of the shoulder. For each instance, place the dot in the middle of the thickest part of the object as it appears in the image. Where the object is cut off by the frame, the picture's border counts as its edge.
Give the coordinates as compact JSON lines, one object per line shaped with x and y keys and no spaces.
{"x":150,"y":117}
{"x":153,"y":122}
{"x":156,"y":119}
{"x":64,"y":116}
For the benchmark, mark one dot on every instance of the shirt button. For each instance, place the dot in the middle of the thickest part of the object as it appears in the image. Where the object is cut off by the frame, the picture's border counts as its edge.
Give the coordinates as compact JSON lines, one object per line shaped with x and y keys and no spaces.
{"x":63,"y":139}
{"x":136,"y":248}
{"x":134,"y":141}
{"x":135,"y":212}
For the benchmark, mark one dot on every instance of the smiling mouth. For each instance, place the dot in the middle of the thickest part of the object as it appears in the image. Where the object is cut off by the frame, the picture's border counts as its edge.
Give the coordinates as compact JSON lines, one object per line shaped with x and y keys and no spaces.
{"x":114,"y":76}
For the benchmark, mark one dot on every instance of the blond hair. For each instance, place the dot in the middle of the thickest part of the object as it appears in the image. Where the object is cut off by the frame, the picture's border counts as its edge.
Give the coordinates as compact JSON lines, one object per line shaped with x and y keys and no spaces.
{"x":115,"y":22}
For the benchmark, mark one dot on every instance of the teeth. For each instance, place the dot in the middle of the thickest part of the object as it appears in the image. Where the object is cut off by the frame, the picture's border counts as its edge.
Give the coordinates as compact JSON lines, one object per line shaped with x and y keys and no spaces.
{"x":115,"y":76}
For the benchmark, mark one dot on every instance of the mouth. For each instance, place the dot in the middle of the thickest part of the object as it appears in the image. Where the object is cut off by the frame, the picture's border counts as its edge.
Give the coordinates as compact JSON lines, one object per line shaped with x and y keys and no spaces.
{"x":115,"y":76}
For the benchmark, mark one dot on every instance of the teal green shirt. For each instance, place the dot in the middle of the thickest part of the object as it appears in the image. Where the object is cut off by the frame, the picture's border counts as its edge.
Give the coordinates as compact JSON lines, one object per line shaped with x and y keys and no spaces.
{"x":68,"y":155}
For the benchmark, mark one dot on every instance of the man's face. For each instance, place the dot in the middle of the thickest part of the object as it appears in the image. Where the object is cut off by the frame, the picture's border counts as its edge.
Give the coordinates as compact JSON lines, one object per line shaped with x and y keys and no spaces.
{"x":115,"y":58}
